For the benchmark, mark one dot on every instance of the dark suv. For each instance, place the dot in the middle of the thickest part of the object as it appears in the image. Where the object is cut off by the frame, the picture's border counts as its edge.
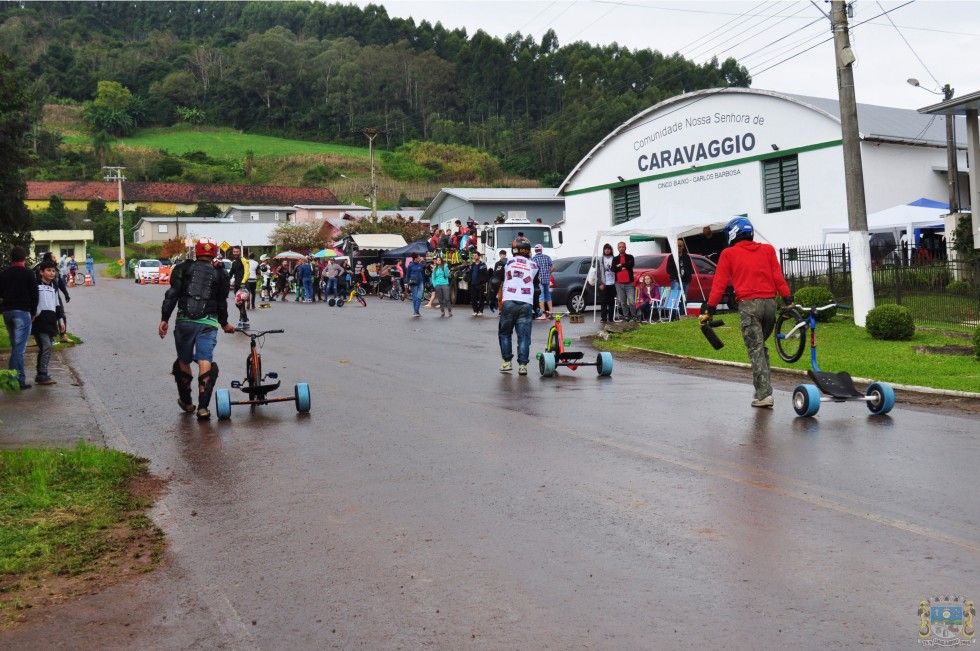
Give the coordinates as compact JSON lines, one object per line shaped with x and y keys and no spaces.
{"x":567,"y":281}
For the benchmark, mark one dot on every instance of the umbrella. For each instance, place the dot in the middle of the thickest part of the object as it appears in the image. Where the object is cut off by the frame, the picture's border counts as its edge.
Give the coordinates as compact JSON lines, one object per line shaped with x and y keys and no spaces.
{"x":325,"y":253}
{"x":421,"y":247}
{"x":290,"y":255}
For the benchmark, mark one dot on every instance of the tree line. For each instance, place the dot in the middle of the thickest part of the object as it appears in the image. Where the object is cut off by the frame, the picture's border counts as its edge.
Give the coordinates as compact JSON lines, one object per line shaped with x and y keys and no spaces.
{"x":326,"y":71}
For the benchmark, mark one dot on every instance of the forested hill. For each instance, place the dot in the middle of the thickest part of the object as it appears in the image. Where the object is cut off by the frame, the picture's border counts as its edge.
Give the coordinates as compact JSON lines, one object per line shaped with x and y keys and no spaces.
{"x":324,"y":72}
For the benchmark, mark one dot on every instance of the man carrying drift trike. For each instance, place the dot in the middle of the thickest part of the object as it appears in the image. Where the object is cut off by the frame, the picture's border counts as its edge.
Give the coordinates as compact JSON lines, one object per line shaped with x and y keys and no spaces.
{"x":753,"y":270}
{"x":199,"y":291}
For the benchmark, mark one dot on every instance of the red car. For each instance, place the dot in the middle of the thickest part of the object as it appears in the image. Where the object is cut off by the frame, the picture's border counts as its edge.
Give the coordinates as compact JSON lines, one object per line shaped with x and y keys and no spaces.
{"x":656,"y":267}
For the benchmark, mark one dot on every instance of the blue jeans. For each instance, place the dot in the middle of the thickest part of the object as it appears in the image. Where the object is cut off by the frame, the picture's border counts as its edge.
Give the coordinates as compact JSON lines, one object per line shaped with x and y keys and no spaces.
{"x":331,"y":288}
{"x":194,"y":341}
{"x":515,"y":314}
{"x":18,"y":324}
{"x":416,"y":298}
{"x":308,"y":289}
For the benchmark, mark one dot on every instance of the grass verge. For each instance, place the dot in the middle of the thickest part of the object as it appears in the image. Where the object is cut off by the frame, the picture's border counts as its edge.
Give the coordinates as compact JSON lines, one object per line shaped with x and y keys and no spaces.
{"x":841,"y":346}
{"x":4,"y":337}
{"x":223,"y":142}
{"x":68,"y":518}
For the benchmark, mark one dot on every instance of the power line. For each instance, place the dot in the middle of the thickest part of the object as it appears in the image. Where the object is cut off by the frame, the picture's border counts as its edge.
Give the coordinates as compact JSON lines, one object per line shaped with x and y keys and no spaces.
{"x":691,"y":53}
{"x":768,"y":45}
{"x":856,"y":25}
{"x":912,"y":49}
{"x":537,"y":15}
{"x":732,"y":37}
{"x":687,"y":45}
{"x":759,"y":33}
{"x":611,"y":9}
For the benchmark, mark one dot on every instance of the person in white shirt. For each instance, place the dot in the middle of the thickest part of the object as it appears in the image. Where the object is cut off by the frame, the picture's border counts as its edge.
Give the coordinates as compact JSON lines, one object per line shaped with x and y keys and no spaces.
{"x":516,"y":301}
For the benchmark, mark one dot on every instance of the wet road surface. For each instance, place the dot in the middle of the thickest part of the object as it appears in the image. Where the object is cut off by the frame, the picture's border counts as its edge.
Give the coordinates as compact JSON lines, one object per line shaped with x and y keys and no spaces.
{"x":430,"y":501}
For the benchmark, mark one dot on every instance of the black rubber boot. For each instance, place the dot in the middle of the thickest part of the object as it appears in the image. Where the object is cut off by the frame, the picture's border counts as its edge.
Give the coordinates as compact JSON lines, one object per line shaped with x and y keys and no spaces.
{"x":205,"y":385}
{"x":183,"y":381}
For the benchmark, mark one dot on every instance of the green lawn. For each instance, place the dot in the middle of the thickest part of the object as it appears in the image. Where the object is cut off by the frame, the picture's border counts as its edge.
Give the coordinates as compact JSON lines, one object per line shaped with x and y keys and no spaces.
{"x":841,"y":346}
{"x":223,"y":142}
{"x":61,"y":511}
{"x":4,"y":337}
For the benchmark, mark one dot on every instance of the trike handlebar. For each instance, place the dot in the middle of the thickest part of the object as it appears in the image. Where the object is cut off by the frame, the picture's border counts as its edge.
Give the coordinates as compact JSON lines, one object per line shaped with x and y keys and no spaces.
{"x":259,"y":334}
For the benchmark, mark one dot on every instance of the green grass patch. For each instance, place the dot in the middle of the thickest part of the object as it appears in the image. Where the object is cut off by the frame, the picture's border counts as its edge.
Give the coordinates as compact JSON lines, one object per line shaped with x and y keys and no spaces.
{"x":841,"y":346}
{"x":61,"y":511}
{"x":111,"y":270}
{"x":4,"y":336}
{"x":223,"y":142}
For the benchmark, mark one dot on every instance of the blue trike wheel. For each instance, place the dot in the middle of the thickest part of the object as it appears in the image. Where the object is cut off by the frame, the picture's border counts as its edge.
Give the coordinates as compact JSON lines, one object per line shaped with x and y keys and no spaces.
{"x":222,"y":401}
{"x":547,"y":363}
{"x":604,"y":364}
{"x":806,"y":400}
{"x":302,"y":394}
{"x":882,"y":397}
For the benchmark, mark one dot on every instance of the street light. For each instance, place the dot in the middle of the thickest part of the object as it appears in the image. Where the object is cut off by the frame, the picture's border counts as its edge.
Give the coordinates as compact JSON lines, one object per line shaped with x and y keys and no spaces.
{"x":952,"y":165}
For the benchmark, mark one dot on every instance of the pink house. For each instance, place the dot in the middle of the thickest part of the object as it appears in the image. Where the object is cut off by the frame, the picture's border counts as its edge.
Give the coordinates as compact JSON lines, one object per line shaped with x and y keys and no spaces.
{"x":308,"y":213}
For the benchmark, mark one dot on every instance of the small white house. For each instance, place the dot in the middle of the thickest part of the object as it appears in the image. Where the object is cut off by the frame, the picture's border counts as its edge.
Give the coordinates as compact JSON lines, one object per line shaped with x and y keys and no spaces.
{"x":706,"y":156}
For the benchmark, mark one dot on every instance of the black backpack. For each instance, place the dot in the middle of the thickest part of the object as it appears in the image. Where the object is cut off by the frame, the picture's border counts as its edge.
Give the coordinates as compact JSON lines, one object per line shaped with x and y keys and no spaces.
{"x":200,"y":281}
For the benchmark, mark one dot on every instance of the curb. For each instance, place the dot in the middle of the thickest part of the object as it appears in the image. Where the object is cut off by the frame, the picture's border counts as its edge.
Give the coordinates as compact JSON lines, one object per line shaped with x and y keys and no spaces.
{"x":790,"y":371}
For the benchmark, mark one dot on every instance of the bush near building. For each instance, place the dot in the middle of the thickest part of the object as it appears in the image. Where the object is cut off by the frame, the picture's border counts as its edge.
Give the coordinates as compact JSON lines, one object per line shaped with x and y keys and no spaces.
{"x":976,"y":342}
{"x":815,"y":296}
{"x":890,"y":322}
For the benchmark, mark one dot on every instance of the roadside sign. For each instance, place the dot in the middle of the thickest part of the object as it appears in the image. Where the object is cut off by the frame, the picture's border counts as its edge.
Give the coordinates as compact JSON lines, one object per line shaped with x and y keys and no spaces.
{"x":224,"y":246}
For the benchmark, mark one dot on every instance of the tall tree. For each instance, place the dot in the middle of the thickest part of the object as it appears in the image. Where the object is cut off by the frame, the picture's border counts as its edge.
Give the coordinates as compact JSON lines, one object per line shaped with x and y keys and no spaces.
{"x":15,"y":220}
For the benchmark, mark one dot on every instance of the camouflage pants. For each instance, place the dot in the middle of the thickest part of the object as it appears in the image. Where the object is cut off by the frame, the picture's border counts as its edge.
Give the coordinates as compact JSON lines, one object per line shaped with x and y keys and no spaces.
{"x":758,"y":320}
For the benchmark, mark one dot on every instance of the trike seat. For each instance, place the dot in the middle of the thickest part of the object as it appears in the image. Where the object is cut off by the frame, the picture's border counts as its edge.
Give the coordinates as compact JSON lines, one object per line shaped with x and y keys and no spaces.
{"x":262,"y":390}
{"x":836,"y":385}
{"x":568,"y":356}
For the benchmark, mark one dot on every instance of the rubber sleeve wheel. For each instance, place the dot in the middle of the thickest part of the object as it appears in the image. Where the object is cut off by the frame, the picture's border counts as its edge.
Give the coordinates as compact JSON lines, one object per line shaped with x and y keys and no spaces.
{"x":882,"y":397}
{"x":547,"y":363}
{"x":790,"y":346}
{"x":222,"y":401}
{"x":340,"y":302}
{"x":604,"y":364}
{"x":302,"y":393}
{"x":806,"y":400}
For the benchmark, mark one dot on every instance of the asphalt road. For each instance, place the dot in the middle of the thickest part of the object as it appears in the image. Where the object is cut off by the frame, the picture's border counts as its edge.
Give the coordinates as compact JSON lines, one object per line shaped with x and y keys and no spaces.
{"x":430,"y":501}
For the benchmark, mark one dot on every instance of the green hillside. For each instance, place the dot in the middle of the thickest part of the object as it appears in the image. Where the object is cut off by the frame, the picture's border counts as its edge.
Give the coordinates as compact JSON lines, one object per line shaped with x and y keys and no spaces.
{"x":223,"y":142}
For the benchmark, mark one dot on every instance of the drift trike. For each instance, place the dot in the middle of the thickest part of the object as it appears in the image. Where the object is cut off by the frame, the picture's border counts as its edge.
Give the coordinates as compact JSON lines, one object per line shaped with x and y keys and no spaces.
{"x":555,"y":355}
{"x":255,"y":387}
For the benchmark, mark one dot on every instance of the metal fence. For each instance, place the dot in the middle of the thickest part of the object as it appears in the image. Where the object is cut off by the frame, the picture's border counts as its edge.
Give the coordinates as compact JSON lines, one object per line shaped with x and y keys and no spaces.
{"x":928,"y":282}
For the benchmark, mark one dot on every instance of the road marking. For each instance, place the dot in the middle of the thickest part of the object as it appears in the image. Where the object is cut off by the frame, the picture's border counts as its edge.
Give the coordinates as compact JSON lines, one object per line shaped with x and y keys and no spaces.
{"x":814,"y":500}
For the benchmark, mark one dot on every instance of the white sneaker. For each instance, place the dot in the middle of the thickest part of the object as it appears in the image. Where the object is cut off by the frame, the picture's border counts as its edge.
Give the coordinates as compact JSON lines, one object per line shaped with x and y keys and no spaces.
{"x":522,"y":369}
{"x":506,"y":367}
{"x":763,"y":402}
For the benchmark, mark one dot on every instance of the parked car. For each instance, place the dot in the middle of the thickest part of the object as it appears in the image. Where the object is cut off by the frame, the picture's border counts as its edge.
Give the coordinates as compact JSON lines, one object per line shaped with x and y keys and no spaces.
{"x":568,"y":276}
{"x":656,"y":266}
{"x":146,"y":269}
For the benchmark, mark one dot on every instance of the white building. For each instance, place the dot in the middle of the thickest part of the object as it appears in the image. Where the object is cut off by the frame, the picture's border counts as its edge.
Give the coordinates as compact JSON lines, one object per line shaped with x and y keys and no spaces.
{"x":713,"y":154}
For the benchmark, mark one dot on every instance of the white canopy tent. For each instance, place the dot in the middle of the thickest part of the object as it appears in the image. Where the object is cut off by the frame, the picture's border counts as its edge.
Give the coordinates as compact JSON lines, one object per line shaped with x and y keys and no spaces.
{"x":671,"y":227}
{"x":921,"y":213}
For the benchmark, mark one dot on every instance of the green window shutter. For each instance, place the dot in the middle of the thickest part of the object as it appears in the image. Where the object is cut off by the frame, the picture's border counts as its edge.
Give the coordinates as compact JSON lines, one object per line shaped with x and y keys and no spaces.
{"x":781,"y":183}
{"x":625,"y":204}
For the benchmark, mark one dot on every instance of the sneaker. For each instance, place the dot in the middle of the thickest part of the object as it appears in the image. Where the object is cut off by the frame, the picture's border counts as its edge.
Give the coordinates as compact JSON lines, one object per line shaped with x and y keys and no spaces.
{"x":450,"y":314}
{"x":203,"y":414}
{"x":506,"y":367}
{"x":186,"y":407}
{"x":44,"y":380}
{"x":24,"y":385}
{"x":416,"y":315}
{"x":522,"y":369}
{"x":763,"y":402}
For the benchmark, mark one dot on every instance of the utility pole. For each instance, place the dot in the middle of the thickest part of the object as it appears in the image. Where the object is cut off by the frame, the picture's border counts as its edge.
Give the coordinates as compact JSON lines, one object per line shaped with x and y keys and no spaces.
{"x":862,"y":289}
{"x":116,"y":174}
{"x":952,"y":165}
{"x":371,"y":134}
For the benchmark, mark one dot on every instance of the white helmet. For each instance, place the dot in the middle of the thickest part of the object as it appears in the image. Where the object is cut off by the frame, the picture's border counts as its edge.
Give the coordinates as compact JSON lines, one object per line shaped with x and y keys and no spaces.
{"x":263,"y":257}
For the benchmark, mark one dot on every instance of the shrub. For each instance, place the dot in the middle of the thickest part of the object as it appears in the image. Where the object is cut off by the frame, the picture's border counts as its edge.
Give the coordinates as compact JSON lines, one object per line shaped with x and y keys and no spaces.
{"x":958,"y":287}
{"x":319,"y":174}
{"x":891,"y":322}
{"x":816,"y":297}
{"x":976,"y":342}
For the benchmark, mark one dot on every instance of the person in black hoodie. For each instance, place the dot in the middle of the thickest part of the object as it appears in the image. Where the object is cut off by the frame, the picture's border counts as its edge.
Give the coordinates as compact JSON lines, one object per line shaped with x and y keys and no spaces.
{"x":18,"y":303}
{"x":477,"y":281}
{"x":496,"y":279}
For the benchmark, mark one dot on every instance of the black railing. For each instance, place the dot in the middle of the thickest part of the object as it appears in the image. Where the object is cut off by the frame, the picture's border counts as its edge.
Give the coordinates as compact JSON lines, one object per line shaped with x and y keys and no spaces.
{"x":933,"y":286}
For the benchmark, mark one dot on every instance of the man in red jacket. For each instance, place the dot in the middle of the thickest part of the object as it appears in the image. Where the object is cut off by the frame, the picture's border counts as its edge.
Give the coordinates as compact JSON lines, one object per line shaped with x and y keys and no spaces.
{"x":753,"y":270}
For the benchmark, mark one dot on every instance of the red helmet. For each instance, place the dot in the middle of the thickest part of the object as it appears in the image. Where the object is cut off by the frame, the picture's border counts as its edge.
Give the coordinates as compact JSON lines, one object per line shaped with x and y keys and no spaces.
{"x":205,"y":249}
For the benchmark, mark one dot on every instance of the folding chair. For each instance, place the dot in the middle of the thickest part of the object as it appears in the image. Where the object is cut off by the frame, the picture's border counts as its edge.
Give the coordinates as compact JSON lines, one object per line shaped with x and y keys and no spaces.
{"x":655,"y":301}
{"x":670,"y":304}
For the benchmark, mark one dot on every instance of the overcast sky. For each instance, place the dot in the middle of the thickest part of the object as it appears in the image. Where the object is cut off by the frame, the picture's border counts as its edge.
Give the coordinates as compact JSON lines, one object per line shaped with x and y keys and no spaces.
{"x":945,"y":36}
